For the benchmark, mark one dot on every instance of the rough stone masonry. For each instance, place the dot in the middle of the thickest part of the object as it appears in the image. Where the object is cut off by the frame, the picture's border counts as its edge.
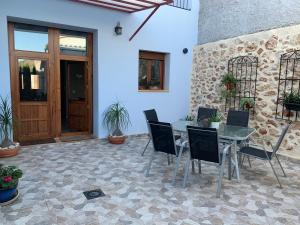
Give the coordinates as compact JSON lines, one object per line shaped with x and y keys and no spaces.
{"x":210,"y":64}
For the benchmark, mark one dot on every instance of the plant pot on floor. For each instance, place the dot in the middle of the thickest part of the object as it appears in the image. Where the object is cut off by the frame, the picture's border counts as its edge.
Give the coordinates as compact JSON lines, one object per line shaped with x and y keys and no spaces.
{"x":8,"y":194}
{"x":117,"y":140}
{"x":11,"y":151}
{"x":9,"y":179}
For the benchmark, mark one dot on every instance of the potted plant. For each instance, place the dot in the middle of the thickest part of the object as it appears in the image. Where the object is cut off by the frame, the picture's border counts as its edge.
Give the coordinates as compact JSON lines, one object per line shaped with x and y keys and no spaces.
{"x":190,"y":118}
{"x":291,"y":101}
{"x":247,"y":103}
{"x":215,"y":121}
{"x":229,"y":81}
{"x":7,"y":147}
{"x":116,"y":119}
{"x":9,"y":178}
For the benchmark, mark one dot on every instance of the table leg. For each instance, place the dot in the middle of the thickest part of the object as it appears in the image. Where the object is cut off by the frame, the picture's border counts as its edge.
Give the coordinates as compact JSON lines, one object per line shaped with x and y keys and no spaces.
{"x":229,"y":164}
{"x":236,"y":161}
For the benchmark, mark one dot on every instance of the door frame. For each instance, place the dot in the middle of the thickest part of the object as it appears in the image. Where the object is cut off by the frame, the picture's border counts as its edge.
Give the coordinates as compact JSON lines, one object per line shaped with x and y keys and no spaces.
{"x":53,"y":56}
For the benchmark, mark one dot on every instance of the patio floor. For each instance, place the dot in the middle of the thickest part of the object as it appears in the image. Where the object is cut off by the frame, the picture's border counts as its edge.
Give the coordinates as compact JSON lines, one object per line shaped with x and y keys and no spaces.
{"x":55,"y":175}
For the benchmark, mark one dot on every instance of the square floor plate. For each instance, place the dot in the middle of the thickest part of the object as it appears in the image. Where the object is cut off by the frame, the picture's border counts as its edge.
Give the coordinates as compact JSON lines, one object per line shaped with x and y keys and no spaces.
{"x":97,"y":193}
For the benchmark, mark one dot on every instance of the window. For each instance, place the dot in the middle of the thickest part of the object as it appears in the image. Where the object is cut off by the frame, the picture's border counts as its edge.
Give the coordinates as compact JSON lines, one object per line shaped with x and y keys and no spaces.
{"x":32,"y":76}
{"x":31,"y":38}
{"x":151,"y":70}
{"x":72,"y":42}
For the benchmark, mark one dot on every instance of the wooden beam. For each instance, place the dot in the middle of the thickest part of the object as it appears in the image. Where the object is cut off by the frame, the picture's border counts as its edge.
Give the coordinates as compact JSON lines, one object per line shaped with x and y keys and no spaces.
{"x":145,"y":21}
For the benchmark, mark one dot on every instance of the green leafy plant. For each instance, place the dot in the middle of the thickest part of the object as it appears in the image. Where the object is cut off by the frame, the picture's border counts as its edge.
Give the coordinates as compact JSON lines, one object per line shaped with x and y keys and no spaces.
{"x":116,"y":118}
{"x":226,"y":94}
{"x":190,"y":118}
{"x":229,"y":81}
{"x":247,"y":103}
{"x":215,"y":118}
{"x":9,"y":176}
{"x":291,"y":98}
{"x":5,"y":122}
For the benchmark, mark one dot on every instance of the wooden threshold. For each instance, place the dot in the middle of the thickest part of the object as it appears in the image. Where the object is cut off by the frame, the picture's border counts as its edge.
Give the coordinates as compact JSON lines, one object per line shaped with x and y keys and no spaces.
{"x":74,"y":138}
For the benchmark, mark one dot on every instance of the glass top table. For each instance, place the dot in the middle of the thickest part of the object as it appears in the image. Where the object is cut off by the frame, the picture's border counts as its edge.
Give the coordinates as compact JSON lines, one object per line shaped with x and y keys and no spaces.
{"x":231,"y":133}
{"x":235,"y":133}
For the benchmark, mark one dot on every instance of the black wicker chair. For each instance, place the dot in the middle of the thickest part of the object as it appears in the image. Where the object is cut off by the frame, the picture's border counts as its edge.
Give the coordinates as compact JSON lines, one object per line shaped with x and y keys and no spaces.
{"x":150,"y":115}
{"x":204,"y":146}
{"x":238,"y":118}
{"x":205,"y":113}
{"x":163,"y":139}
{"x":260,"y":152}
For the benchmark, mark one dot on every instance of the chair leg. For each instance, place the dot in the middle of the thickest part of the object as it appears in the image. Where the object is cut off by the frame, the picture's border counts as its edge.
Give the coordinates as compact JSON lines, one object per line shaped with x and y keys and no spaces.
{"x":149,"y":165}
{"x":177,"y":165}
{"x":146,"y":147}
{"x":221,"y":174}
{"x":275,"y":173}
{"x":280,"y":165}
{"x":249,"y":161}
{"x":193,"y":166}
{"x":186,"y":172}
{"x":169,"y":161}
{"x":199,"y":166}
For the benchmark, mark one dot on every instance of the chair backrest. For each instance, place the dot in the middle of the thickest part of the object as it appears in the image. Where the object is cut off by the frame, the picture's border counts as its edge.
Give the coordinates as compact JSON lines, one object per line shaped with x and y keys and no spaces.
{"x":162,"y":137}
{"x":204,"y":144}
{"x":281,"y":137}
{"x":151,"y":115}
{"x":238,"y":118}
{"x":204,"y":113}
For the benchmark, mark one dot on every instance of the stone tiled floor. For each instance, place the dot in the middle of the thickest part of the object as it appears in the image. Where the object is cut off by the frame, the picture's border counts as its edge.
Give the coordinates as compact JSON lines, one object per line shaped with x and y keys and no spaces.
{"x":57,"y":174}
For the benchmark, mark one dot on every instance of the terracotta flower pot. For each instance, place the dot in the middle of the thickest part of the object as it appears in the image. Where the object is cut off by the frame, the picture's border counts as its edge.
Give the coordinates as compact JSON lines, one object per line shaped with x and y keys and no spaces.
{"x":9,"y":152}
{"x":230,"y":86}
{"x":116,"y":140}
{"x":248,"y":106}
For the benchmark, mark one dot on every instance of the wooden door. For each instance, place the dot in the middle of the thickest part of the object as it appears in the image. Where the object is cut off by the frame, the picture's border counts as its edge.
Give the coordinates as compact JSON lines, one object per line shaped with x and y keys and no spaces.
{"x":32,"y":77}
{"x":30,"y":87}
{"x":35,"y":81}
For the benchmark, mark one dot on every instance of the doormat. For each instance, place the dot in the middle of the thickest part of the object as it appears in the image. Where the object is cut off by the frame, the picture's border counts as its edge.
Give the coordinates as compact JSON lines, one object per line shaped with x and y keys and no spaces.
{"x":74,"y":138}
{"x":37,"y":142}
{"x":97,"y":193}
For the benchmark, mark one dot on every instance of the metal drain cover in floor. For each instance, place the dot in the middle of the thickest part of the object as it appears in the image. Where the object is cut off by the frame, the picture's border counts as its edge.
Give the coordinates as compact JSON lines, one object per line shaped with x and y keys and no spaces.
{"x":93,"y":194}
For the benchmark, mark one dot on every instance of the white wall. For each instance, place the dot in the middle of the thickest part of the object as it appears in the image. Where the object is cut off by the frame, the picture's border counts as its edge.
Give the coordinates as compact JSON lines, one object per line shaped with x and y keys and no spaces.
{"x":115,"y":58}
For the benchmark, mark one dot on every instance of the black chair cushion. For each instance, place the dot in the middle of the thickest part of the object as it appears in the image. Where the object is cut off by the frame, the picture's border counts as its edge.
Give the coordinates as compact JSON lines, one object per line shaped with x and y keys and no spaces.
{"x":255,"y":152}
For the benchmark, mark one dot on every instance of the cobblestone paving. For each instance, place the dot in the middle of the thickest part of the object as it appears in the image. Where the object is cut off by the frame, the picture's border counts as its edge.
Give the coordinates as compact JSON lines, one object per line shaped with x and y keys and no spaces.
{"x":55,"y":175}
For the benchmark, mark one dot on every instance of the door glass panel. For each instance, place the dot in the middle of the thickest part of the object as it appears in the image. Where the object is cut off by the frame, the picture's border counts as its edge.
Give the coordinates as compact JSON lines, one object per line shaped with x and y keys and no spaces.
{"x":31,"y":38}
{"x":32,"y":79}
{"x":72,"y":43}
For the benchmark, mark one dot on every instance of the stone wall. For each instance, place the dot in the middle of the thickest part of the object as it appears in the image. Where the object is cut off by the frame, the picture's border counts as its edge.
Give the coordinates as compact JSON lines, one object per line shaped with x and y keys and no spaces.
{"x":210,"y":64}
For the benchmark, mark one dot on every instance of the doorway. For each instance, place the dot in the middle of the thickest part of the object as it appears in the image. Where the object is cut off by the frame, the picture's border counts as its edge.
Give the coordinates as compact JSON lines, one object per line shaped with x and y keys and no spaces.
{"x":74,"y":116}
{"x":51,"y":82}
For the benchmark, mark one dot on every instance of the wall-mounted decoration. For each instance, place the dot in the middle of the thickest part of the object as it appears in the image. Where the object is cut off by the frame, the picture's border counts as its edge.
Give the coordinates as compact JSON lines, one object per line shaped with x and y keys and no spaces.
{"x":288,"y":97}
{"x":241,"y":94}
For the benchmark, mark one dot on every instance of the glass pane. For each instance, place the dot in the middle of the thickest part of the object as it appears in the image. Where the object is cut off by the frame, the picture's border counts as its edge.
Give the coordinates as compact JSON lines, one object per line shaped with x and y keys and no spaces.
{"x":31,"y":38}
{"x":155,"y":82}
{"x":72,"y":43}
{"x":32,"y":78}
{"x":143,"y":82}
